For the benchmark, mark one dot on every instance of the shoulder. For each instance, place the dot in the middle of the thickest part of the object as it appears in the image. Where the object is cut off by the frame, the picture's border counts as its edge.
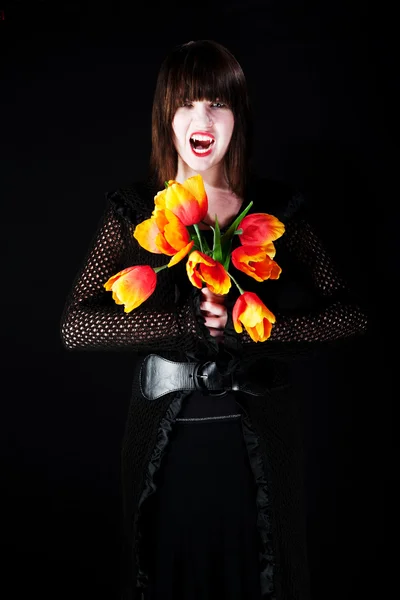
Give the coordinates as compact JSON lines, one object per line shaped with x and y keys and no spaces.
{"x":134,"y":199}
{"x":276,"y":197}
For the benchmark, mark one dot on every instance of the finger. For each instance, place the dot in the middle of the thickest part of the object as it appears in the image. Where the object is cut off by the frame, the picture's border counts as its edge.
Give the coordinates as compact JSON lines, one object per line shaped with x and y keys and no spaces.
{"x":210,"y":296}
{"x":213,"y":308}
{"x":215,"y":322}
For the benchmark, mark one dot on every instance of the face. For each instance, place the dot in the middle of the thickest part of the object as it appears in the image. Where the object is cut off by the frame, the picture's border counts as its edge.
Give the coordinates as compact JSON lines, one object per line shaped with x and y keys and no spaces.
{"x":202,"y":132}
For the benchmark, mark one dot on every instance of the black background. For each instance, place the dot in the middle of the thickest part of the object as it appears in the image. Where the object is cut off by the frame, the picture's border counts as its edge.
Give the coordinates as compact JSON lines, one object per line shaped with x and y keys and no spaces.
{"x":77,"y":80}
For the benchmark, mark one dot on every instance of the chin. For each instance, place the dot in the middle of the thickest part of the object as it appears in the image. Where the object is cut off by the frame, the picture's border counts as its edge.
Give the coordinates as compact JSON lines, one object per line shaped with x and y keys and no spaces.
{"x":201,"y":163}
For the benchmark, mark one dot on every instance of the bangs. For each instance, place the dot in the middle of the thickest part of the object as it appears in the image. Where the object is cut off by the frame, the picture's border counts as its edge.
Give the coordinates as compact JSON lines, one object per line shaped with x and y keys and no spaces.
{"x":201,"y":85}
{"x":203,"y":75}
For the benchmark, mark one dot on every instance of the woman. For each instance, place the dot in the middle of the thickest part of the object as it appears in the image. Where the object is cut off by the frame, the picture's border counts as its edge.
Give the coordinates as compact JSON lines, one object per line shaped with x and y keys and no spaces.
{"x":212,"y":470}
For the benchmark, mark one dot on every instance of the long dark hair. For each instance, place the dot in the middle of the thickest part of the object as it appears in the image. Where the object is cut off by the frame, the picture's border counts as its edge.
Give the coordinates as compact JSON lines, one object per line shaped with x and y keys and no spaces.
{"x":201,"y":70}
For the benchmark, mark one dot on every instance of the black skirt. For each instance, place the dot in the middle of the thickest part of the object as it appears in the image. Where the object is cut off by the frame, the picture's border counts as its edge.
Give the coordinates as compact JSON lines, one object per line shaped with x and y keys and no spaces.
{"x":200,"y":534}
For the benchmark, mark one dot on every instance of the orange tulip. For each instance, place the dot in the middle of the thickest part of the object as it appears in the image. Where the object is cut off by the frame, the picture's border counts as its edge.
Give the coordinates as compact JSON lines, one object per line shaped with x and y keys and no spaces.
{"x":254,"y":261}
{"x":201,"y":269}
{"x":249,"y":312}
{"x":187,"y":200}
{"x":132,"y":286}
{"x":260,"y":229}
{"x":164,"y":233}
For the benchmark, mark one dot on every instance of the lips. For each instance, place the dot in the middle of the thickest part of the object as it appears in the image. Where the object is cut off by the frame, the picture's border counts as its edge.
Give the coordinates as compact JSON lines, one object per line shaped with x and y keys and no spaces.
{"x":201,"y":143}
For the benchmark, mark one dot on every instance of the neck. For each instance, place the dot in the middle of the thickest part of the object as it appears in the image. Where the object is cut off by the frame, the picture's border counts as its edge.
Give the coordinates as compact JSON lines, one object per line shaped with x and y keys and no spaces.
{"x":214,"y":178}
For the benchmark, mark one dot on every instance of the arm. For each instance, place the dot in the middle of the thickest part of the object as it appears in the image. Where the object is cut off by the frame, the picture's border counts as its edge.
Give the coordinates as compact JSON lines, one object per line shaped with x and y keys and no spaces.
{"x":336,"y":314}
{"x":91,"y":320}
{"x":331,"y":311}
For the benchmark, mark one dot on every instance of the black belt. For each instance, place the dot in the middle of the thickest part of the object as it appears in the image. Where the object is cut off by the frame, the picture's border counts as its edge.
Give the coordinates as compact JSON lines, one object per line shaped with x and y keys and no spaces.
{"x":160,"y":376}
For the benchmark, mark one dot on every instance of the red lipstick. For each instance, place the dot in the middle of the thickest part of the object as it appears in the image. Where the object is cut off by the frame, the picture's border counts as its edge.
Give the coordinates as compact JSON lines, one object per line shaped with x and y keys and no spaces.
{"x":207,"y":133}
{"x":201,"y":151}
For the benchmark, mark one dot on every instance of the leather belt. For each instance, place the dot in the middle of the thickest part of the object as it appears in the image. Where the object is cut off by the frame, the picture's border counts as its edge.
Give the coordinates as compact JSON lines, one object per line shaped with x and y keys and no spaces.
{"x":159,"y":376}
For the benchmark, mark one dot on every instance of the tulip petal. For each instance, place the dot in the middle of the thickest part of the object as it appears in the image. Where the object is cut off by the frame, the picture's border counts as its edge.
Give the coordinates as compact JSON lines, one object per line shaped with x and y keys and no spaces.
{"x":109,"y":283}
{"x":181,"y":254}
{"x":160,"y":218}
{"x":192,"y":273}
{"x":270,"y":249}
{"x":132,"y":286}
{"x":250,"y":312}
{"x":204,"y":269}
{"x":159,"y":200}
{"x":216,"y":278}
{"x":254,"y":261}
{"x":259,"y":229}
{"x":163,"y":233}
{"x":163,"y":245}
{"x":175,"y":232}
{"x":195,"y":185}
{"x":276,"y":271}
{"x":181,"y":201}
{"x":146,"y":233}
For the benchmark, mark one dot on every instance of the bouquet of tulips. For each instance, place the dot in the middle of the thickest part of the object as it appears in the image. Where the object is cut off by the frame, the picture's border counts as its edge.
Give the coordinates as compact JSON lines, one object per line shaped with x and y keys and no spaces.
{"x":173,"y":230}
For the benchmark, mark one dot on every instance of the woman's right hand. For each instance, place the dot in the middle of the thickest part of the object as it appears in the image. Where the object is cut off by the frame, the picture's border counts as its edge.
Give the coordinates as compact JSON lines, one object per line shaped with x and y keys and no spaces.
{"x":213,"y":309}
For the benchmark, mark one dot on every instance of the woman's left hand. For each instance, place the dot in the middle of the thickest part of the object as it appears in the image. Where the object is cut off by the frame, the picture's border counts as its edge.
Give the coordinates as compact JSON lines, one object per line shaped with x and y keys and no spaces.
{"x":214,"y":311}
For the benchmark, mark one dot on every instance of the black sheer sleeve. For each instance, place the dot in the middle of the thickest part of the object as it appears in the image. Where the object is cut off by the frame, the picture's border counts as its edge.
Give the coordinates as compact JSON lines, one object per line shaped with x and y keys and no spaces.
{"x":91,"y":320}
{"x":314,"y":303}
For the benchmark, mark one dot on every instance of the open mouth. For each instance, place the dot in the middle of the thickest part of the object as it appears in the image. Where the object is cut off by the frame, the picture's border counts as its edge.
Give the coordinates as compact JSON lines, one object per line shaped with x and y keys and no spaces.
{"x":201,"y":144}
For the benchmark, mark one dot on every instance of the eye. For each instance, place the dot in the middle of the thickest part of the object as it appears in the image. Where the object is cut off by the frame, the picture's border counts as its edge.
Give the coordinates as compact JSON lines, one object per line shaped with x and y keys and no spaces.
{"x":187,"y":103}
{"x":218,"y":105}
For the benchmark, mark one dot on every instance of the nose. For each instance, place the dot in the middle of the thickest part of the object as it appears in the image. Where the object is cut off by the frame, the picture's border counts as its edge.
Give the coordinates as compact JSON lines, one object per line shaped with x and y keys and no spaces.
{"x":203,"y":114}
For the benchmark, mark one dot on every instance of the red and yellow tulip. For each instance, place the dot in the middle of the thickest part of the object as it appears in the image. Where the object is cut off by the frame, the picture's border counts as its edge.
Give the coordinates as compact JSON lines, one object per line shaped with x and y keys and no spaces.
{"x":260,"y":229}
{"x":164,"y":233}
{"x":187,"y":200}
{"x":255,"y":262}
{"x":201,"y":269}
{"x":132,"y":286}
{"x":249,"y":312}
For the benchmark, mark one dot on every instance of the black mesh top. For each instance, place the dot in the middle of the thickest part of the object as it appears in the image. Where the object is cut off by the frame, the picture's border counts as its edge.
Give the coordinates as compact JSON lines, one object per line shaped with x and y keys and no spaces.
{"x":311,"y":301}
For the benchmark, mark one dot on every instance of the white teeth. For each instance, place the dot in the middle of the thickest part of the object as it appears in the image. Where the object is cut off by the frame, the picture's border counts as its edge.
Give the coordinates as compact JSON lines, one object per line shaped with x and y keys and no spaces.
{"x":201,"y":138}
{"x":201,"y":150}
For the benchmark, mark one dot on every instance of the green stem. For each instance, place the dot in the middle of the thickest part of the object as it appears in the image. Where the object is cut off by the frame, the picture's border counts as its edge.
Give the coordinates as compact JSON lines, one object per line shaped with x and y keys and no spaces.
{"x":236,"y":283}
{"x":197,"y":230}
{"x":158,"y":269}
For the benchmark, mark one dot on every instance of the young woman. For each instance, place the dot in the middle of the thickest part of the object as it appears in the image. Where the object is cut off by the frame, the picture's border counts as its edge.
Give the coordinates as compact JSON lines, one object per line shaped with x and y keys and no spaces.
{"x":212,"y":453}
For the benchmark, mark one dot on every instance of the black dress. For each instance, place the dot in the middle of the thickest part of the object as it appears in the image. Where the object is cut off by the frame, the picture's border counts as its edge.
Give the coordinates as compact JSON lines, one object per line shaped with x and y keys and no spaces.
{"x":192,"y":479}
{"x":201,"y":522}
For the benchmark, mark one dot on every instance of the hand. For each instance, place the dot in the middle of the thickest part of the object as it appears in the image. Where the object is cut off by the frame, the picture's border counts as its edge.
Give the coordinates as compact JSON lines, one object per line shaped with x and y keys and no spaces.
{"x":214,"y":312}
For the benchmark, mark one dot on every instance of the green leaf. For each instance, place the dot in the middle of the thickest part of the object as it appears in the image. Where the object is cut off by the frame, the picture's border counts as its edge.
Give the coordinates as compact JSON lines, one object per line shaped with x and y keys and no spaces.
{"x":199,"y":236}
{"x":231,"y":231}
{"x":226,"y":248}
{"x":217,"y":252}
{"x":200,"y":242}
{"x":226,"y":263}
